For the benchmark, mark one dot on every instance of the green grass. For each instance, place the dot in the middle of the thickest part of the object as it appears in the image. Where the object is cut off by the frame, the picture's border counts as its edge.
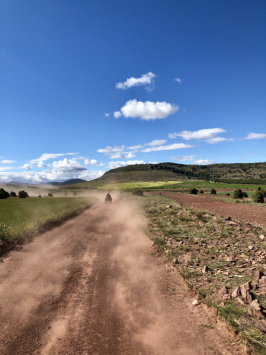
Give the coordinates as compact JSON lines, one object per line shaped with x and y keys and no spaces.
{"x":20,"y":216}
{"x":131,"y":185}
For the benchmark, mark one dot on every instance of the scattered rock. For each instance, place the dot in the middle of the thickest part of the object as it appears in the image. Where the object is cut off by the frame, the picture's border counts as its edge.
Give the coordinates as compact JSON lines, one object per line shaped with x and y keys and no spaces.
{"x":250,"y":247}
{"x":175,"y":261}
{"x":231,"y":223}
{"x":223,"y":291}
{"x":226,"y":297}
{"x":262,"y":237}
{"x":262,"y":281}
{"x":231,"y":259}
{"x":248,"y":286}
{"x":254,"y":305}
{"x":254,"y":285}
{"x":195,"y":302}
{"x":259,"y":325}
{"x":240,"y":301}
{"x":248,"y":298}
{"x":243,"y":290}
{"x":236,"y":292}
{"x":169,"y":206}
{"x":260,"y":314}
{"x":228,"y":219}
{"x":257,"y":275}
{"x":205,"y":269}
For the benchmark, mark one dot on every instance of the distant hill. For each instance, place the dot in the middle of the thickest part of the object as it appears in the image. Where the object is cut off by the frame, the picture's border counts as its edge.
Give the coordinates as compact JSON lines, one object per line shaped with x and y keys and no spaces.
{"x":68,"y":182}
{"x":236,"y":172}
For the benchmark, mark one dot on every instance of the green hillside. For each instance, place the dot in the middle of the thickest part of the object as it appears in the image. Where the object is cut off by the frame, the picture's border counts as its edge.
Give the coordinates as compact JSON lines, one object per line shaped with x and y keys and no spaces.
{"x":254,"y":173}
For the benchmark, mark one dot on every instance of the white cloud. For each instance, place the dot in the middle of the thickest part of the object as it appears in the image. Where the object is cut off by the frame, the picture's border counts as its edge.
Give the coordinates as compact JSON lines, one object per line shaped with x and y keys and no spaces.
{"x":118,"y":164}
{"x":147,"y":110}
{"x":119,"y":155}
{"x":153,"y":162}
{"x":255,"y":136}
{"x":25,"y":166}
{"x":47,"y":156}
{"x":109,"y":150}
{"x":168,"y":147}
{"x":201,"y":134}
{"x":6,"y":168}
{"x":146,"y":79}
{"x":217,"y":140}
{"x":8,"y":161}
{"x":68,"y":164}
{"x":156,"y":142}
{"x":92,"y":162}
{"x":107,"y":114}
{"x":135,"y":147}
{"x":203,"y":162}
{"x":177,"y":80}
{"x":41,"y":164}
{"x":185,"y":158}
{"x":117,"y":114}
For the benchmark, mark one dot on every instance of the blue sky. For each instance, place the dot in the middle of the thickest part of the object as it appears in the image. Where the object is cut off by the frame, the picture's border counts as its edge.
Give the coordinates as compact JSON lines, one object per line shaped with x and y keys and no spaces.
{"x":91,"y":85}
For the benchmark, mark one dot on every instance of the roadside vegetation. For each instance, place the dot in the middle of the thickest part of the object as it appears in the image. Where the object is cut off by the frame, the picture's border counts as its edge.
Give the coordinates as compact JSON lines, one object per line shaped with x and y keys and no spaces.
{"x":20,"y":218}
{"x":222,"y":262}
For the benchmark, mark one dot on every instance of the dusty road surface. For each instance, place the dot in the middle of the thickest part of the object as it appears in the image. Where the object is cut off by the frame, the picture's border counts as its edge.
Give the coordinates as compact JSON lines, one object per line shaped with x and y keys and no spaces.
{"x":248,"y":214}
{"x":92,"y":286}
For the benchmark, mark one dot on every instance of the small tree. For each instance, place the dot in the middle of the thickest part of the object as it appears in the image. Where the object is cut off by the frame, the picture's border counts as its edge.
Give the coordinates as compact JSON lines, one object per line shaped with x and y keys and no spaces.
{"x":213,"y":192}
{"x":193,"y":191}
{"x":258,"y":197}
{"x":244,"y":194}
{"x":137,"y":192}
{"x":259,"y":188}
{"x":3,"y":194}
{"x":201,"y":191}
{"x":23,"y":194}
{"x":50,"y":194}
{"x":13,"y":194}
{"x":238,"y":194}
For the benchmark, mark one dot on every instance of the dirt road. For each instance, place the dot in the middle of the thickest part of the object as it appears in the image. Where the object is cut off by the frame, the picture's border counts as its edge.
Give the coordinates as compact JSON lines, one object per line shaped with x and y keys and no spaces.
{"x":248,"y":214}
{"x":92,"y":286}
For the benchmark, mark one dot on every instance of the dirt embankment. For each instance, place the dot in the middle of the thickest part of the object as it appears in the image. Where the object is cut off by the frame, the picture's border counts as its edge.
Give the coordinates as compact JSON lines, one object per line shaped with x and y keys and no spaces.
{"x":92,"y":286}
{"x":247,"y":214}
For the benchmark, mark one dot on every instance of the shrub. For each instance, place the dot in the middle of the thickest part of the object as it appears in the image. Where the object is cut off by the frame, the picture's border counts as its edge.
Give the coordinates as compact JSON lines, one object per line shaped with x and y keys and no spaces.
{"x":3,"y":194}
{"x":258,"y":197}
{"x":259,"y":188}
{"x":39,"y":196}
{"x":50,"y":194}
{"x":263,"y":192}
{"x":238,"y":194}
{"x":137,"y":192}
{"x":244,"y":194}
{"x":13,"y":194}
{"x":23,"y":194}
{"x":201,"y":191}
{"x":193,"y":191}
{"x":213,"y":192}
{"x":227,"y":194}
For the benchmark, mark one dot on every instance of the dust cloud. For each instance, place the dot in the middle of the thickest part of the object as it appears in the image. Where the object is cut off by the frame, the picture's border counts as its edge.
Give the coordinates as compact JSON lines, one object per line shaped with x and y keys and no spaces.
{"x":137,"y":294}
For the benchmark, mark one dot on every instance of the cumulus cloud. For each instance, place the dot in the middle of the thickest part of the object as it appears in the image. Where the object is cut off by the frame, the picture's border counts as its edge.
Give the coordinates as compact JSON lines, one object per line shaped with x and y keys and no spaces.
{"x":203,"y":162}
{"x":92,"y":162}
{"x":147,"y":110}
{"x":8,"y":161}
{"x":110,"y":150}
{"x":118,"y":164}
{"x":146,"y":80}
{"x":107,"y":114}
{"x":117,"y":114}
{"x":156,"y":142}
{"x":47,"y":156}
{"x":255,"y":136}
{"x":201,"y":134}
{"x":177,"y":80}
{"x":168,"y":147}
{"x":41,"y":164}
{"x":185,"y":158}
{"x":25,"y":166}
{"x":119,"y":155}
{"x":135,"y":147}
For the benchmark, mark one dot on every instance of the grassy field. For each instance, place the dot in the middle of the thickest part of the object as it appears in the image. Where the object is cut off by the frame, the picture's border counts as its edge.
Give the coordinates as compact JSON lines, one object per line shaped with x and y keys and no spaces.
{"x":21,"y":216}
{"x":199,"y":244}
{"x":135,"y":185}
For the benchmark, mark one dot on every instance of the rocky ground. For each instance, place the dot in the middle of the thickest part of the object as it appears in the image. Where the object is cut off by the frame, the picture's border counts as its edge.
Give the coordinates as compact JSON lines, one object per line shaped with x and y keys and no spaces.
{"x":222,"y":260}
